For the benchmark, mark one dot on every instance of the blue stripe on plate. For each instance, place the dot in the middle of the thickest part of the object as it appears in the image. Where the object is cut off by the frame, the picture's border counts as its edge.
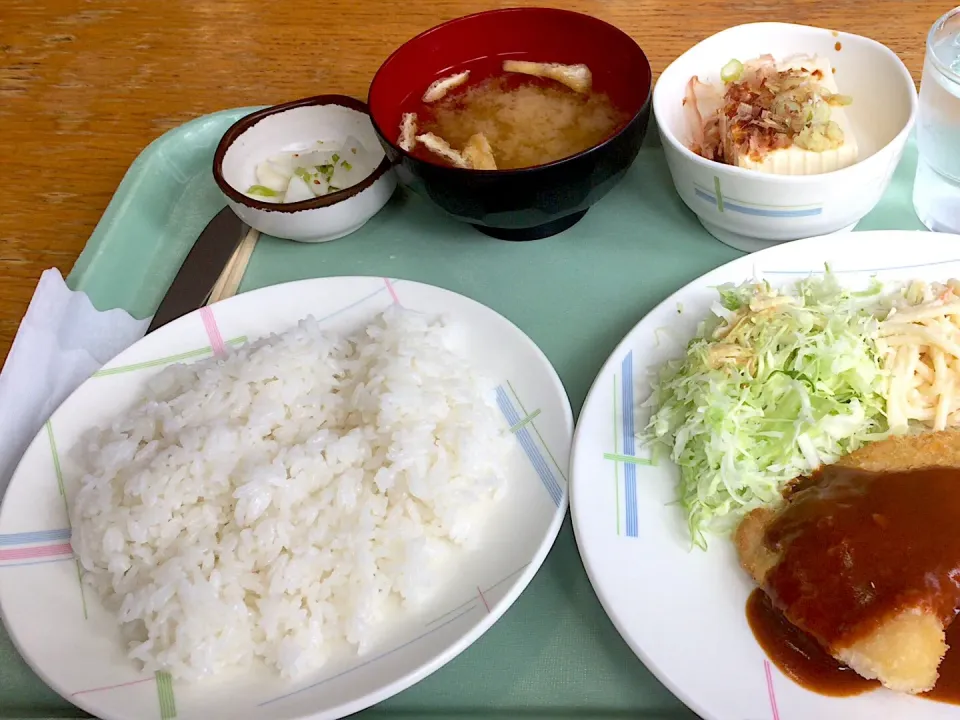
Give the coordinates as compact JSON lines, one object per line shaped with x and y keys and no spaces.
{"x":371,"y":660}
{"x":530,"y":448}
{"x":37,"y":536}
{"x":821,"y":271}
{"x":36,"y":562}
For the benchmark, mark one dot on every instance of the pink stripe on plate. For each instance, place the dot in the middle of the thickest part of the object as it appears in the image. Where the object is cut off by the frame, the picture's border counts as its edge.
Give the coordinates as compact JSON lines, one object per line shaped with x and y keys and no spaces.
{"x":770,"y":691}
{"x":483,"y":599}
{"x":390,"y":289}
{"x":213,"y":332}
{"x":36,"y":552}
{"x":112,"y":687}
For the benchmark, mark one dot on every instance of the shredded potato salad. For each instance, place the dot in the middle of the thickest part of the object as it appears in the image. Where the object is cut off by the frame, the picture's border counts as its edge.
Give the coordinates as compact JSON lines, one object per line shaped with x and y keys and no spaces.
{"x":779,"y":381}
{"x":920,"y":343}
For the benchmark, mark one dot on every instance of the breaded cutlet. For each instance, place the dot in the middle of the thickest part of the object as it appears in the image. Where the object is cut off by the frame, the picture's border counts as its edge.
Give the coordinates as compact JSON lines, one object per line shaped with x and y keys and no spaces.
{"x":904,"y":651}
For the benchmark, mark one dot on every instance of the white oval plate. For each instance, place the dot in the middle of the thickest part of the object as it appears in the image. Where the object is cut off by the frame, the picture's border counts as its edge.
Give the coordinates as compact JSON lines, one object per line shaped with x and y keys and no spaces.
{"x":681,"y":610}
{"x":68,"y":638}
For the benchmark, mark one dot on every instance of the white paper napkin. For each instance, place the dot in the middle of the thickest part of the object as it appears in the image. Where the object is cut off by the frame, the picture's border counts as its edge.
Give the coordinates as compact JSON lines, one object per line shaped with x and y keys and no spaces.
{"x":61,"y":342}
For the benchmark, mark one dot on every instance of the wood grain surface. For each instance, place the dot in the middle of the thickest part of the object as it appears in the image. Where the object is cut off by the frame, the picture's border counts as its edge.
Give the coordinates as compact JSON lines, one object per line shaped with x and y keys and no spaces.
{"x":85,"y":85}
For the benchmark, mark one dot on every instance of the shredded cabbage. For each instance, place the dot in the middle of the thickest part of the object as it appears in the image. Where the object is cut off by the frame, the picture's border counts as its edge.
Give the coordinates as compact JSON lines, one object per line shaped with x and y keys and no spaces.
{"x":773,"y":385}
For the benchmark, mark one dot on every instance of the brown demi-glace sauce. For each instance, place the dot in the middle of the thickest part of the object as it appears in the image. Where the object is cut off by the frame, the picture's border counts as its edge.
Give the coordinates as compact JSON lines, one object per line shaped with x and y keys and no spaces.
{"x":799,"y":656}
{"x":857,"y":548}
{"x":803,"y":659}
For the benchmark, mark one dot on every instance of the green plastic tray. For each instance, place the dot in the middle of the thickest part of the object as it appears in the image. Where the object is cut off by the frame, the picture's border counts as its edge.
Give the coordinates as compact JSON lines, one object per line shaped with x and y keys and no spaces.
{"x":554,"y":654}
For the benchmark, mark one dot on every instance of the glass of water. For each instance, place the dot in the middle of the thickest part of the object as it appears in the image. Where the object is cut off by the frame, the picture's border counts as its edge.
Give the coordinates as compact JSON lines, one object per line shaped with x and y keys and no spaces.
{"x":936,"y":189}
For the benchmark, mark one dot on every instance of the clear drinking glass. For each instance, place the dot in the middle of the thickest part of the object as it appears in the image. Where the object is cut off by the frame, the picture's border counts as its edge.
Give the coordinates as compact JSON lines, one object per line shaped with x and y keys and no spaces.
{"x":936,"y":188}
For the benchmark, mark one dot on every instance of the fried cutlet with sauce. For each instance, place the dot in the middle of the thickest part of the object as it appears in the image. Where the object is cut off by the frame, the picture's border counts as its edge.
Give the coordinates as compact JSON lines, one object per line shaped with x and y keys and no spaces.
{"x":862,"y":557}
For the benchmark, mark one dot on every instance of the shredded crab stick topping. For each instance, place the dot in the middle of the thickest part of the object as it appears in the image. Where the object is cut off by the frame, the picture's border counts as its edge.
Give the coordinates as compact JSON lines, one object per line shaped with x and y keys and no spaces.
{"x":576,"y":77}
{"x":439,"y":88}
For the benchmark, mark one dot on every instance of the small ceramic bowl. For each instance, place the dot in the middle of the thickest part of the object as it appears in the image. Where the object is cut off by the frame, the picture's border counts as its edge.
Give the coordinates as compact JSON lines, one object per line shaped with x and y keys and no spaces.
{"x":526,"y":203}
{"x":293,"y":126}
{"x":750,"y":210}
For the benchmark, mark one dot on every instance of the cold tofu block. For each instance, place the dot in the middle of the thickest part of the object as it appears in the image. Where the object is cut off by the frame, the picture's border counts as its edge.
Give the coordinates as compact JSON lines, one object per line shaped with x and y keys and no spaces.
{"x":795,"y":160}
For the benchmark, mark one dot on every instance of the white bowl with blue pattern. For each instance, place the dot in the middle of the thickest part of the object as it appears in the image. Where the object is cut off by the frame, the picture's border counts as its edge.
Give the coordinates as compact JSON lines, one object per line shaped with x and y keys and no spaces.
{"x":750,"y":210}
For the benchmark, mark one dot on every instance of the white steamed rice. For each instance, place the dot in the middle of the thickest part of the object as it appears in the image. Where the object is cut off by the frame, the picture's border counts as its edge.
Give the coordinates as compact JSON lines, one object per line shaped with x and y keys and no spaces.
{"x":271,"y":503}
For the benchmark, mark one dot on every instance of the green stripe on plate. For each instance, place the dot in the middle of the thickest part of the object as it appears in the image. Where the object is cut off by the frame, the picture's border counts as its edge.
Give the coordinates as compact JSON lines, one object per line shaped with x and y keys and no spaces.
{"x":63,"y":493}
{"x":168,"y":707}
{"x":83,"y":595}
{"x":534,"y":426}
{"x":170,"y":359}
{"x":616,"y":448}
{"x":525,"y":421}
{"x":56,"y":461}
{"x":617,"y":457}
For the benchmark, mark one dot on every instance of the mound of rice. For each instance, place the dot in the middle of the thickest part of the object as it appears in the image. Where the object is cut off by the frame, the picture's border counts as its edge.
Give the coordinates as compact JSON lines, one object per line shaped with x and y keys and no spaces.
{"x":270,"y":503}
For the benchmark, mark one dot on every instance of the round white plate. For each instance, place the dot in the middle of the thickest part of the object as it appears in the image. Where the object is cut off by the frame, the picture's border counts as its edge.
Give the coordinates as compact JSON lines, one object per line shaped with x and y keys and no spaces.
{"x":682,"y":610}
{"x":68,"y":638}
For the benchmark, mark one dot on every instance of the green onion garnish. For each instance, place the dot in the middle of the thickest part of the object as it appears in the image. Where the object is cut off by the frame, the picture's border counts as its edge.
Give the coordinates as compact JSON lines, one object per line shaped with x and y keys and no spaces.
{"x":731,"y":71}
{"x":262,"y":190}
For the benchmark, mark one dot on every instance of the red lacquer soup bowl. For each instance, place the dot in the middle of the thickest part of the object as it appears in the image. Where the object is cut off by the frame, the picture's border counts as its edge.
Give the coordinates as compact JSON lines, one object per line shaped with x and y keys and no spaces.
{"x":531,"y":202}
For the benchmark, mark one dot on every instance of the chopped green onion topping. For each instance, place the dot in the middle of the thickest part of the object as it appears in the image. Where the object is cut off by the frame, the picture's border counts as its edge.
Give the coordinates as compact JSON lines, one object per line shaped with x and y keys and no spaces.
{"x":731,"y":71}
{"x":346,"y":165}
{"x":303,"y":174}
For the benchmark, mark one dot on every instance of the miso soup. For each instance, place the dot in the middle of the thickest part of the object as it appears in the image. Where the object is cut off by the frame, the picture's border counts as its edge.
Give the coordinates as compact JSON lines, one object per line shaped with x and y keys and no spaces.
{"x":527,"y":120}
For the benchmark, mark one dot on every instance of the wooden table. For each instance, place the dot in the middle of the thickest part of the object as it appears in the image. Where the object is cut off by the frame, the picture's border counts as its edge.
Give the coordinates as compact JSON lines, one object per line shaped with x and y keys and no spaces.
{"x":85,"y":85}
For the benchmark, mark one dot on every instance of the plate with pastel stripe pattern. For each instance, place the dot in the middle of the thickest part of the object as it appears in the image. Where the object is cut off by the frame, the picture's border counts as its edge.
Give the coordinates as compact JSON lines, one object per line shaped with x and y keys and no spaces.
{"x":75,"y":646}
{"x":682,"y":610}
